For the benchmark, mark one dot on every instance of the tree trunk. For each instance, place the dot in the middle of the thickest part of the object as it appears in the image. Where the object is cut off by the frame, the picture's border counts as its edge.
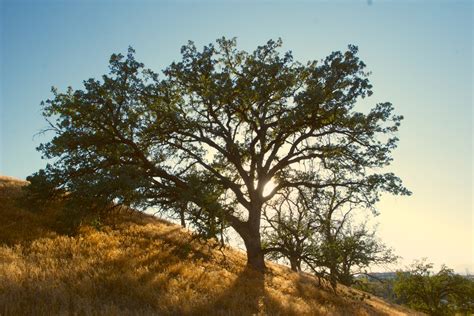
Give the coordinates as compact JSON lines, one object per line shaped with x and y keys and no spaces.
{"x":255,"y":254}
{"x":250,"y":233}
{"x":294,"y":264}
{"x":181,"y":216}
{"x":333,"y":276}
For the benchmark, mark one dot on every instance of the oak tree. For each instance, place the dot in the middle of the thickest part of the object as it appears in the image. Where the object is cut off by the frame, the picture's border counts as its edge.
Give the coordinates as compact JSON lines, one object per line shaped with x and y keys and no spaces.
{"x":221,"y":118}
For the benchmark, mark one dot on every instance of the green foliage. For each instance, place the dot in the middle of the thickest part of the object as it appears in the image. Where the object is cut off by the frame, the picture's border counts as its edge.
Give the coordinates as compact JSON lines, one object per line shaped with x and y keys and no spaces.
{"x":441,"y":293}
{"x":40,"y":192}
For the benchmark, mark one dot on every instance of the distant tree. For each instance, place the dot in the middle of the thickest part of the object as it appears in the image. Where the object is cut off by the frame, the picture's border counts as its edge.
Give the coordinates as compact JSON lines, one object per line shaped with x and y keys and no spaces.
{"x":441,"y":293}
{"x":238,"y":118}
{"x":293,"y":230}
{"x":352,"y":251}
{"x":347,"y":248}
{"x":317,"y":230}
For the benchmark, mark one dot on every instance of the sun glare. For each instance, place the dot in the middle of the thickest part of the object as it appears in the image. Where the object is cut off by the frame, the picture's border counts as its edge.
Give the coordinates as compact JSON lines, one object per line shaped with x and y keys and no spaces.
{"x":269,"y":186}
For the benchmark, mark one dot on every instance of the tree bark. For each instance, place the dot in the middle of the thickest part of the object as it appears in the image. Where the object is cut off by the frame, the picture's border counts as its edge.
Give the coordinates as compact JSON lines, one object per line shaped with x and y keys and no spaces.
{"x":250,"y":233}
{"x":182,"y":218}
{"x":255,"y":254}
{"x":293,"y":265}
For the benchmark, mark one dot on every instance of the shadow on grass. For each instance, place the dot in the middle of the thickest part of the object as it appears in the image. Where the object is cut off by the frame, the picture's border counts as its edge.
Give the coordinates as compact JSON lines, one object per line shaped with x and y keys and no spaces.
{"x":252,"y":293}
{"x":246,"y":296}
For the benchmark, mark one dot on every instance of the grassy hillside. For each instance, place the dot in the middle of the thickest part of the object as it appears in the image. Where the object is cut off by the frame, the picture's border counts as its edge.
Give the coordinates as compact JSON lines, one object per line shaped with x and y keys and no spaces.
{"x":138,"y":264}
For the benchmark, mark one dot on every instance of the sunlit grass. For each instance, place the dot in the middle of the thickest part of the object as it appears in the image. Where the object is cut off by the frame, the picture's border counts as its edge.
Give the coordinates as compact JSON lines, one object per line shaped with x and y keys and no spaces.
{"x":137,"y":264}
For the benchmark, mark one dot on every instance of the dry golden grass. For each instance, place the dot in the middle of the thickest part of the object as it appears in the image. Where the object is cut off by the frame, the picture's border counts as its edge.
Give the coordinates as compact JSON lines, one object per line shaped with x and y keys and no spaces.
{"x":17,"y":224}
{"x":141,"y":265}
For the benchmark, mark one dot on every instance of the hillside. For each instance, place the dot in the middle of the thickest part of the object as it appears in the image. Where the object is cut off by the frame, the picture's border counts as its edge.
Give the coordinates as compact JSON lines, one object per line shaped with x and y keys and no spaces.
{"x":137,"y":264}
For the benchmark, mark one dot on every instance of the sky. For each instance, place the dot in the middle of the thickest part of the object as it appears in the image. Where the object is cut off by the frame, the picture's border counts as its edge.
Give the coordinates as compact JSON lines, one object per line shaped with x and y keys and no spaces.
{"x":420,"y":54}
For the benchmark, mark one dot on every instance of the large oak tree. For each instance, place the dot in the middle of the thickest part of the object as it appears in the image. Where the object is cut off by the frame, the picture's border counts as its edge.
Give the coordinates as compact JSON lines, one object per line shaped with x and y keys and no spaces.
{"x":216,"y":128}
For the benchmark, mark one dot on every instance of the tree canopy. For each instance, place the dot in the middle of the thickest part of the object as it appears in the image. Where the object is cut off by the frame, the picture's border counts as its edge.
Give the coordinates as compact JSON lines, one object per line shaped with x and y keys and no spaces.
{"x":215,"y":128}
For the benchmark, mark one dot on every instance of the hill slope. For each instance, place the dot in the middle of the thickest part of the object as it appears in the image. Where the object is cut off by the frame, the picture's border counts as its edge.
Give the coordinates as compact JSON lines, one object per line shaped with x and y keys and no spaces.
{"x":138,"y":264}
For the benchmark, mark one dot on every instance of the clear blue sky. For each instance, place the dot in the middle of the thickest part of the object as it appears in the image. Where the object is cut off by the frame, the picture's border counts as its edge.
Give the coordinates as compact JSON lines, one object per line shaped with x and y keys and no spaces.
{"x":420,"y":54}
